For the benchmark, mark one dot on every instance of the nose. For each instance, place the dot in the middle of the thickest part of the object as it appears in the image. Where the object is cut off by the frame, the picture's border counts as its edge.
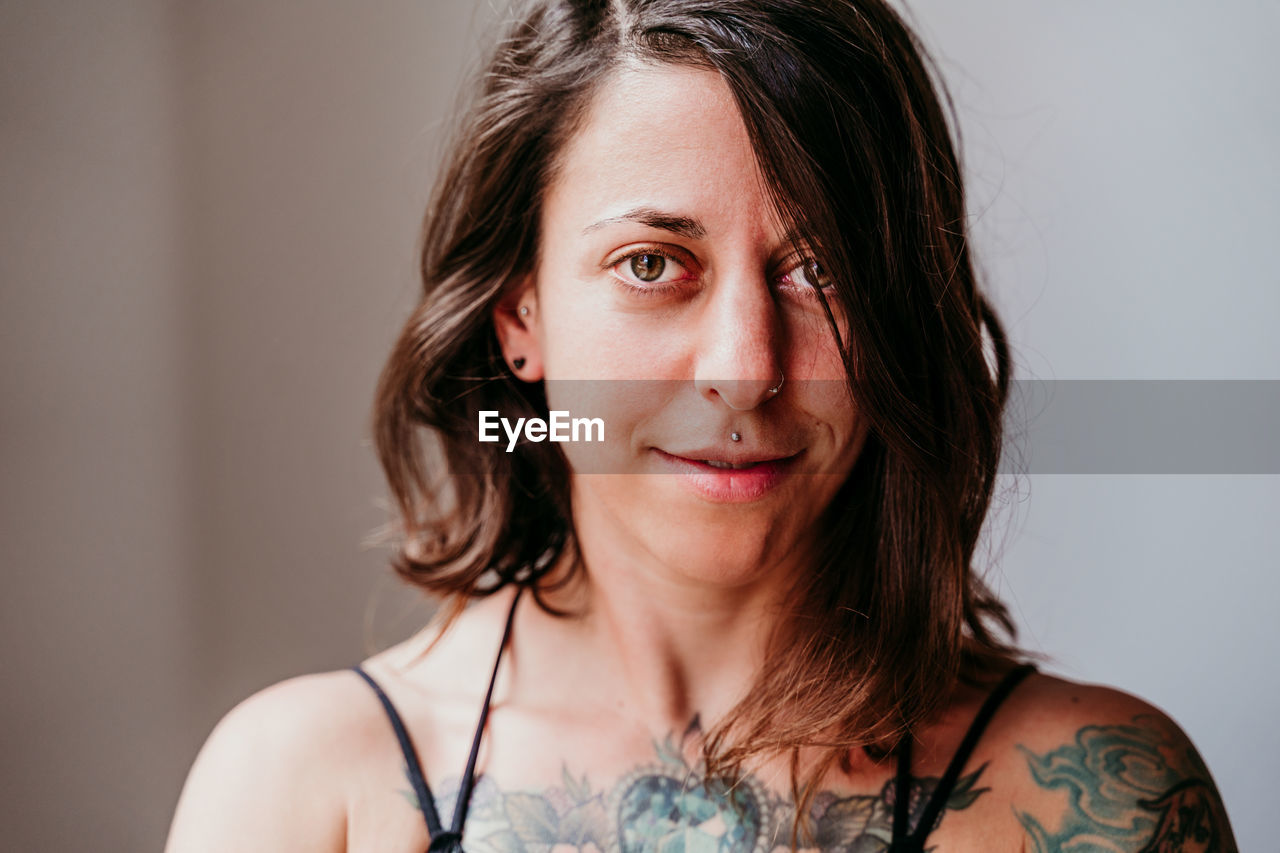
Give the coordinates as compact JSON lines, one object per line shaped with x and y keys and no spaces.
{"x":739,"y":345}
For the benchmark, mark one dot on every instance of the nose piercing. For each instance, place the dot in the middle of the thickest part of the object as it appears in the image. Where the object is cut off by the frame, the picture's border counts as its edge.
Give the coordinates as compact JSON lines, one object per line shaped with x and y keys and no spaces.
{"x":735,"y":436}
{"x":776,"y":388}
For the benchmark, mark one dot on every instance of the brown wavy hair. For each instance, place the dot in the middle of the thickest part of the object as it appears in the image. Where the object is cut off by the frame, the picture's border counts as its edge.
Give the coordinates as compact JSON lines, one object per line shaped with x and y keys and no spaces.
{"x":841,"y":108}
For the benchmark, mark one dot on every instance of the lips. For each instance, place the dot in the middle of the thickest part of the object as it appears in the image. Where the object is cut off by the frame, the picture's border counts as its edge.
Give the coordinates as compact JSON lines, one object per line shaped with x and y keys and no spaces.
{"x":730,"y":457}
{"x":722,"y":476}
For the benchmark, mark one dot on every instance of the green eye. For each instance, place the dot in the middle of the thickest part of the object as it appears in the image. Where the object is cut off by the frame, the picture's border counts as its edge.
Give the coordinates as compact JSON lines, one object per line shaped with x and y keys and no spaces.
{"x":648,"y":268}
{"x":813,"y":274}
{"x":807,"y":277}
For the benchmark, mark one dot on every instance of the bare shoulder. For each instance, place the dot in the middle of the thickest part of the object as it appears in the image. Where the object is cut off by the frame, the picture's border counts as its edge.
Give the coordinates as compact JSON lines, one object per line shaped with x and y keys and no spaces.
{"x":272,"y":775}
{"x":1098,"y":768}
{"x":313,"y":764}
{"x":1045,"y":709}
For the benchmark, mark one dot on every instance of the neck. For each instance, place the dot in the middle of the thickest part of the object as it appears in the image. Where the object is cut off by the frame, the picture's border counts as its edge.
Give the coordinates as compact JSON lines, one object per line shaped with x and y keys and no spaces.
{"x":663,"y":643}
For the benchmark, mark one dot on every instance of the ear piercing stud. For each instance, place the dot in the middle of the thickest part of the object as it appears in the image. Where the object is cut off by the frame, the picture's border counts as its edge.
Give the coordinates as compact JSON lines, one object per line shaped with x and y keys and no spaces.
{"x":524,"y":310}
{"x":517,"y":363}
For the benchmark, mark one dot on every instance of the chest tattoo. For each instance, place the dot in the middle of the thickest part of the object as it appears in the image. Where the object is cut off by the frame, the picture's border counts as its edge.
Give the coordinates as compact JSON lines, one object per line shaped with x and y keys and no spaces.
{"x":671,"y":806}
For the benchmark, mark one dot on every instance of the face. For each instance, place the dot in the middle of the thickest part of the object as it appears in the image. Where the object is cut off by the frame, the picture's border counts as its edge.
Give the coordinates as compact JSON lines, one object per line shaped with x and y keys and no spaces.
{"x":666,"y":278}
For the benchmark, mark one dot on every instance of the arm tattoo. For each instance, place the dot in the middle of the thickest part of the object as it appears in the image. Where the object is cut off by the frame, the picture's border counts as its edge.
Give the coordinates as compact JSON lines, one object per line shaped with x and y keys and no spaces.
{"x":672,"y":806}
{"x":1130,"y":788}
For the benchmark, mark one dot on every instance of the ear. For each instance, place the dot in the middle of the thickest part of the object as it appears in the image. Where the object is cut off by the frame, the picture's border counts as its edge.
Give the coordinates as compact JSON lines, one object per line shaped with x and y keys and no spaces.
{"x":516,"y":320}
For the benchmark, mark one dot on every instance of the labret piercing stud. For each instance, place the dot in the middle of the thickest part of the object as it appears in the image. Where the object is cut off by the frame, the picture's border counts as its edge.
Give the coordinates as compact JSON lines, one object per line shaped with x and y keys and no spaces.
{"x":736,"y":436}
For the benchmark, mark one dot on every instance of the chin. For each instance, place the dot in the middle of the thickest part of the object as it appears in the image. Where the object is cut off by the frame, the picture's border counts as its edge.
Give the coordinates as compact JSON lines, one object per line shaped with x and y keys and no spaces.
{"x":724,"y":551}
{"x":720,"y":544}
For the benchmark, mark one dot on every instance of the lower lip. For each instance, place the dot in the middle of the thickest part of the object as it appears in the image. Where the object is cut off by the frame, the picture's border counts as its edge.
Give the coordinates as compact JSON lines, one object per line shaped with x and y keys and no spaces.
{"x":729,"y":485}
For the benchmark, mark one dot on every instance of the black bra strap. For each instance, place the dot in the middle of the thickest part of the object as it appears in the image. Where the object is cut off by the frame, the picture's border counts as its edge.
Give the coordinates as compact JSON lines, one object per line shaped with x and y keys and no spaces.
{"x":902,"y":790}
{"x":426,"y":802}
{"x":468,"y":776}
{"x":929,"y":816}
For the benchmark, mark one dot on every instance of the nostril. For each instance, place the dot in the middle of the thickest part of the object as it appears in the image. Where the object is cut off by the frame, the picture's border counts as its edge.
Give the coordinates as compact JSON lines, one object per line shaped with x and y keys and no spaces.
{"x":741,"y":394}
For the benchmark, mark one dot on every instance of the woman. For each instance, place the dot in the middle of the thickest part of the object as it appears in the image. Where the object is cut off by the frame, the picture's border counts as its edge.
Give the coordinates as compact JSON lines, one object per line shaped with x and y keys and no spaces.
{"x":733,"y":234}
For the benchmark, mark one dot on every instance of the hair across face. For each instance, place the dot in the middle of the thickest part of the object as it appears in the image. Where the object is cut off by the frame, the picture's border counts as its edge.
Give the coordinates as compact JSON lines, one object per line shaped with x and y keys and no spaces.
{"x":838,"y":116}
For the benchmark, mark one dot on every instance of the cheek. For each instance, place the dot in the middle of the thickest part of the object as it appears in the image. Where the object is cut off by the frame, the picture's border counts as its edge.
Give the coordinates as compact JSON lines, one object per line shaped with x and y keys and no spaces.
{"x":837,"y":424}
{"x":850,"y":431}
{"x":588,"y":339}
{"x":630,"y":410}
{"x":814,"y":349}
{"x":569,"y":331}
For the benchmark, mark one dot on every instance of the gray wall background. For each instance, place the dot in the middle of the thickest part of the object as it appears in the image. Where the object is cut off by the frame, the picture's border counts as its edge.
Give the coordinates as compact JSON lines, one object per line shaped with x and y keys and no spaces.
{"x":208,"y":226}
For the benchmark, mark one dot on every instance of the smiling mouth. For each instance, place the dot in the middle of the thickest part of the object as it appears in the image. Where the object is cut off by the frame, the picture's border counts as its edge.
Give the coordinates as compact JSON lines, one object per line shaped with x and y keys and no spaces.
{"x":734,"y":478}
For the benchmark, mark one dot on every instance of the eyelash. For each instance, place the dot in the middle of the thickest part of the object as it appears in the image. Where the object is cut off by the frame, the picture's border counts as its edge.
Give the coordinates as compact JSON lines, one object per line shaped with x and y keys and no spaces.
{"x":669,"y":287}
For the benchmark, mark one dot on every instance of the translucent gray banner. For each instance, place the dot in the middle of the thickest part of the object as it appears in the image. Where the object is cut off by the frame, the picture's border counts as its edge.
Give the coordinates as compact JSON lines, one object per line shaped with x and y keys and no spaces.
{"x":1143,"y":426}
{"x":1051,"y":426}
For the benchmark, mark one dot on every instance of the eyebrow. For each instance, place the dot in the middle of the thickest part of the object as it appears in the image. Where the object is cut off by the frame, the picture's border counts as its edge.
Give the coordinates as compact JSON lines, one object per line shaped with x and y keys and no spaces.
{"x":683,"y":226}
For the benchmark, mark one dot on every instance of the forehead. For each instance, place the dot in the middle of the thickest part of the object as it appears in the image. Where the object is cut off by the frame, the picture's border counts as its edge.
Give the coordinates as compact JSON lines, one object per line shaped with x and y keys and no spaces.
{"x":668,"y":137}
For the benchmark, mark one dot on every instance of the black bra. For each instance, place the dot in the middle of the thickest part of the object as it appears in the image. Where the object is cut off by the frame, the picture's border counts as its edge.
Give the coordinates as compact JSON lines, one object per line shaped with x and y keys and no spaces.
{"x":906,"y":839}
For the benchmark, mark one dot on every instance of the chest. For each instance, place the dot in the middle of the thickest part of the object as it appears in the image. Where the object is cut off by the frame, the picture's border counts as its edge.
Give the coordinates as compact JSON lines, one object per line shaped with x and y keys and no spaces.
{"x":664,"y":805}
